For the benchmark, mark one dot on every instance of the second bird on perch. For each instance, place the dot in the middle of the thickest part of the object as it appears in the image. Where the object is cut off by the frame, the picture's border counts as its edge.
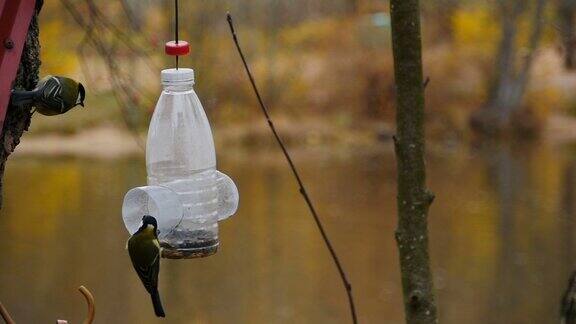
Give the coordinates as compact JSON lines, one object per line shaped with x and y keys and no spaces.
{"x":54,"y":95}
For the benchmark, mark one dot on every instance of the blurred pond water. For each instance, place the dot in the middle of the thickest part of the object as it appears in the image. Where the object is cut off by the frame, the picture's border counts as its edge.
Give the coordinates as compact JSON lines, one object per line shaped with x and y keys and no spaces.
{"x":502,"y":240}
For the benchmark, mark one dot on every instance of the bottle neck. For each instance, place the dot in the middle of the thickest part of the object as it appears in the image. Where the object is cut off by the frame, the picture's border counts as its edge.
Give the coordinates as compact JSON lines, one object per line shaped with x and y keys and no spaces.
{"x":178,"y":86}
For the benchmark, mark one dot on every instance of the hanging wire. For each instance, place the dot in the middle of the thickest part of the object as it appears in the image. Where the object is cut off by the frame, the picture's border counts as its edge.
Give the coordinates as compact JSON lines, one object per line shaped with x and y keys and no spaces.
{"x":176,"y":27}
{"x":303,"y":191}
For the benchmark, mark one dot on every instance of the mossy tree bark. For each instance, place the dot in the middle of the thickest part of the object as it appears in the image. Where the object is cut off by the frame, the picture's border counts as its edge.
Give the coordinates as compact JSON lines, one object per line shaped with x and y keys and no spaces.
{"x":413,"y":198}
{"x":18,"y":119}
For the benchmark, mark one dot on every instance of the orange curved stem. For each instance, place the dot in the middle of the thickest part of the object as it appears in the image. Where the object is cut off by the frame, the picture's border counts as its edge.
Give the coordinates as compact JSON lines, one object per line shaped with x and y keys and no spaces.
{"x":90,"y":301}
{"x":5,"y":315}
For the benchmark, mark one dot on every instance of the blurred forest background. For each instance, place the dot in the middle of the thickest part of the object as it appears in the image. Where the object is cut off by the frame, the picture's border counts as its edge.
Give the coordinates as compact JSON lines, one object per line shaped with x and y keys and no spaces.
{"x":502,"y":241}
{"x":325,"y":67}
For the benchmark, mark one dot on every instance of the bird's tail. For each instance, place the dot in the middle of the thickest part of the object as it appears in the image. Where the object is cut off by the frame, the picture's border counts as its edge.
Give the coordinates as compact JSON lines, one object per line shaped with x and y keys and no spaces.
{"x":158,"y":310}
{"x":21,"y":98}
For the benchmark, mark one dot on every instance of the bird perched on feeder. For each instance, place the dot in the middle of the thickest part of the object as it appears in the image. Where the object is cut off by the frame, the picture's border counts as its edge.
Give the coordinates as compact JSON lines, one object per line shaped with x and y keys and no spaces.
{"x":144,"y":250}
{"x":54,"y":95}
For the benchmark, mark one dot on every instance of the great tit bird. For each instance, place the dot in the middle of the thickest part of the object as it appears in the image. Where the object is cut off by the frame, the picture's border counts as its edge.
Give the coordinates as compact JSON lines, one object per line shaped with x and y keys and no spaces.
{"x":144,"y":250}
{"x":54,"y":95}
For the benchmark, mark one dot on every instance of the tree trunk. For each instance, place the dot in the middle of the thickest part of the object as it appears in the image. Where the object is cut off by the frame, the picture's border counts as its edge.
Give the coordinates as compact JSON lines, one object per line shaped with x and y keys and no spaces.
{"x":445,"y":10}
{"x":18,"y":119}
{"x":566,"y":21}
{"x":535,"y":36}
{"x":413,"y":198}
{"x":567,"y":213}
{"x":503,"y":109}
{"x":353,"y":6}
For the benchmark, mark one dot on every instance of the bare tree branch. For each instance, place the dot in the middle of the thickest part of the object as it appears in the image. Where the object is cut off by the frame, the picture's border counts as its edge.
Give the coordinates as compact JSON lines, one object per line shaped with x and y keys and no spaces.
{"x":413,"y":198}
{"x":302,"y":189}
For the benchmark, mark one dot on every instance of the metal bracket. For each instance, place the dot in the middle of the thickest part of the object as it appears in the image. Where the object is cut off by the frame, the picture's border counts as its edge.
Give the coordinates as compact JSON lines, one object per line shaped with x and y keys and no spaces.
{"x":15,"y":18}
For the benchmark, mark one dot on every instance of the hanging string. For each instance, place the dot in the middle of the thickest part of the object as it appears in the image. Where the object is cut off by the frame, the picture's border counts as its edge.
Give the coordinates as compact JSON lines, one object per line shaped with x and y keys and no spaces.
{"x":302,"y":189}
{"x":176,"y":27}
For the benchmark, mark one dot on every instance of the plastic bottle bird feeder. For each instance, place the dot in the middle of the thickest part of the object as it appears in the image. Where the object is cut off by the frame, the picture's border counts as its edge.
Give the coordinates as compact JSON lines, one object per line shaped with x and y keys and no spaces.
{"x":185,"y":192}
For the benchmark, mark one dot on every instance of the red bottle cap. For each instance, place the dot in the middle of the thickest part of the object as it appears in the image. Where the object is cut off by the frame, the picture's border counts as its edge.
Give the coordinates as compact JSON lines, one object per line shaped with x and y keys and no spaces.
{"x":182,"y":48}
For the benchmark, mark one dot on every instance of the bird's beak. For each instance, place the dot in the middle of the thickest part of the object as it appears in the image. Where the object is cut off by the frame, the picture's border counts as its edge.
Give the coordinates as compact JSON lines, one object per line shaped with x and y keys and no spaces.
{"x":81,"y":94}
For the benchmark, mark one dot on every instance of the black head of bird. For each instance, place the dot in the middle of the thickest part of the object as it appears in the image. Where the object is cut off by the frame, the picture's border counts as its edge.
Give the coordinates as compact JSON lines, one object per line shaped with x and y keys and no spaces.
{"x":148,"y":220}
{"x":54,"y":95}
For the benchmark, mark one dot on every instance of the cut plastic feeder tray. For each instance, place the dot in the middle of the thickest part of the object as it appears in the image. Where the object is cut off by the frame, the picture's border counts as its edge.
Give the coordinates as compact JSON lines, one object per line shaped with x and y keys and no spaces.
{"x":187,"y":212}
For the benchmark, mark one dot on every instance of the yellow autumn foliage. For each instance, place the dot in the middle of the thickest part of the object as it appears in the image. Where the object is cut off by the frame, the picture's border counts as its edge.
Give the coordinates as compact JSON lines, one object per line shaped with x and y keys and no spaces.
{"x":476,"y":27}
{"x":58,"y":48}
{"x":317,"y":34}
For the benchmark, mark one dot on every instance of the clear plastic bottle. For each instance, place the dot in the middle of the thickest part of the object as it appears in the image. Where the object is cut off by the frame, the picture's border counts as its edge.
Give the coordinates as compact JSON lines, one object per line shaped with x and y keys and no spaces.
{"x":179,"y":138}
{"x":185,"y":192}
{"x":180,"y":155}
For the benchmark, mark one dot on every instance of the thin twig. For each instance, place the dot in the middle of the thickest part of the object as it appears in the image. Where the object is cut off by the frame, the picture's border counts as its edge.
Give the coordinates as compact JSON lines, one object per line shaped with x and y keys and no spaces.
{"x":90,"y":301}
{"x":129,"y":13}
{"x":345,"y":281}
{"x":5,"y":315}
{"x":123,"y":91}
{"x":120,"y":34}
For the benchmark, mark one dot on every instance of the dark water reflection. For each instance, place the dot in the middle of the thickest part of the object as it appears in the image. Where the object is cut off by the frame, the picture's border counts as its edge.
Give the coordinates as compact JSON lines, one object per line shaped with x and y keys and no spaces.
{"x":502,"y":238}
